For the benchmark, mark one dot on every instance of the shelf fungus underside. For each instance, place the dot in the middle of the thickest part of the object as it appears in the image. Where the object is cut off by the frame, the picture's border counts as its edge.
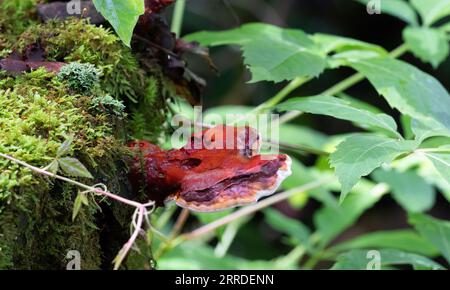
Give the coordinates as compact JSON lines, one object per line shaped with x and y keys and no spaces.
{"x":209,"y":179}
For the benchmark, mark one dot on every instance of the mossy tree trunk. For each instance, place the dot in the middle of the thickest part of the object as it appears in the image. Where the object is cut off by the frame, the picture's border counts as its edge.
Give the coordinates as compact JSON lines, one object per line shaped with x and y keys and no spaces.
{"x":39,"y":110}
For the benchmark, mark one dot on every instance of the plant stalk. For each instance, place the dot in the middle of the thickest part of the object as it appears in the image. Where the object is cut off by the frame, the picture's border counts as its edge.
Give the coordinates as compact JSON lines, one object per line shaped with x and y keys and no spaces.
{"x":178,"y":14}
{"x":280,"y":96}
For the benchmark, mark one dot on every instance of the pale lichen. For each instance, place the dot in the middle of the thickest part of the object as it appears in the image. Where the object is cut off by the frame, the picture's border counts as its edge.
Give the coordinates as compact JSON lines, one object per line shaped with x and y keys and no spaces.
{"x":83,"y":78}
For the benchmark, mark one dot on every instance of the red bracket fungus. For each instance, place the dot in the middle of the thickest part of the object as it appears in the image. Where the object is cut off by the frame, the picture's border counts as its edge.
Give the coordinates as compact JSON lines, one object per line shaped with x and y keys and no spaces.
{"x":218,"y":169}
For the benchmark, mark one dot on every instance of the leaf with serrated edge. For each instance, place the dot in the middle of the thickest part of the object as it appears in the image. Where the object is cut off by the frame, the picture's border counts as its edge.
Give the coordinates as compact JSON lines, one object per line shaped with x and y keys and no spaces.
{"x":65,"y":147}
{"x":435,"y":230}
{"x":341,"y":109}
{"x":360,"y":154}
{"x":73,"y":167}
{"x":271,"y":53}
{"x":408,"y":89}
{"x":52,"y":167}
{"x":122,"y":15}
{"x":428,"y":44}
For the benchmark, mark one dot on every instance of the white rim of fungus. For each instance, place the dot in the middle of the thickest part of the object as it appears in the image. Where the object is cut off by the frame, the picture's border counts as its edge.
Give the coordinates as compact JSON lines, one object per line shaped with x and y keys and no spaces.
{"x":282,"y":174}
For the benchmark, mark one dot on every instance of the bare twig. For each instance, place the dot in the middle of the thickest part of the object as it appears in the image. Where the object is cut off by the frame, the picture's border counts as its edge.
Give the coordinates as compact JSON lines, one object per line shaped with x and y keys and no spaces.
{"x":68,"y":180}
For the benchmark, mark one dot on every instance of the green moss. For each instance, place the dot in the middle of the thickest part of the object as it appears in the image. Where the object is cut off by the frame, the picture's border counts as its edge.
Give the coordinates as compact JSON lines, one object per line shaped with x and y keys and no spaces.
{"x":109,"y":104}
{"x":47,"y":232}
{"x":15,"y":17}
{"x":121,"y":75}
{"x":38,"y":112}
{"x":81,"y":77}
{"x":77,"y":41}
{"x":142,"y":121}
{"x":37,"y":116}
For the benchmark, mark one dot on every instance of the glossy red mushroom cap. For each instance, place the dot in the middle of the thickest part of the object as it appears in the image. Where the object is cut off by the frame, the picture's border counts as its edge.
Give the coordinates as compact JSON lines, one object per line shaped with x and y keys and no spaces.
{"x":209,"y":179}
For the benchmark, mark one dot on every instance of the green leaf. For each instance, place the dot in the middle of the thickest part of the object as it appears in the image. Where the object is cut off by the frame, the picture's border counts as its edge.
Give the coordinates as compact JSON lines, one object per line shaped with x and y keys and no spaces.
{"x":271,"y":53}
{"x":293,"y":228}
{"x":330,"y":221}
{"x":340,"y":49}
{"x":432,"y":10}
{"x":122,"y":15}
{"x":405,"y":123}
{"x":408,"y":89}
{"x":397,"y":8}
{"x":197,"y":256}
{"x":340,"y":59}
{"x":404,"y":240}
{"x":331,"y":106}
{"x":360,"y":154}
{"x":359,"y":104}
{"x":73,"y":167}
{"x":410,"y":190}
{"x":438,"y":143}
{"x":423,"y":131}
{"x":302,"y":175}
{"x":300,"y":135}
{"x":206,"y":218}
{"x":359,"y":260}
{"x":64,"y":149}
{"x":429,"y":172}
{"x":434,"y":230}
{"x":441,"y":162}
{"x":446,"y":27}
{"x":337,"y":44}
{"x":77,"y":205}
{"x":53,"y":167}
{"x":425,"y":168}
{"x":428,"y":44}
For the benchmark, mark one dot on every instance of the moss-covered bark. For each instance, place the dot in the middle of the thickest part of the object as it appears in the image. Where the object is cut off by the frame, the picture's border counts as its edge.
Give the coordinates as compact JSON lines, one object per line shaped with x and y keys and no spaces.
{"x":39,"y":111}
